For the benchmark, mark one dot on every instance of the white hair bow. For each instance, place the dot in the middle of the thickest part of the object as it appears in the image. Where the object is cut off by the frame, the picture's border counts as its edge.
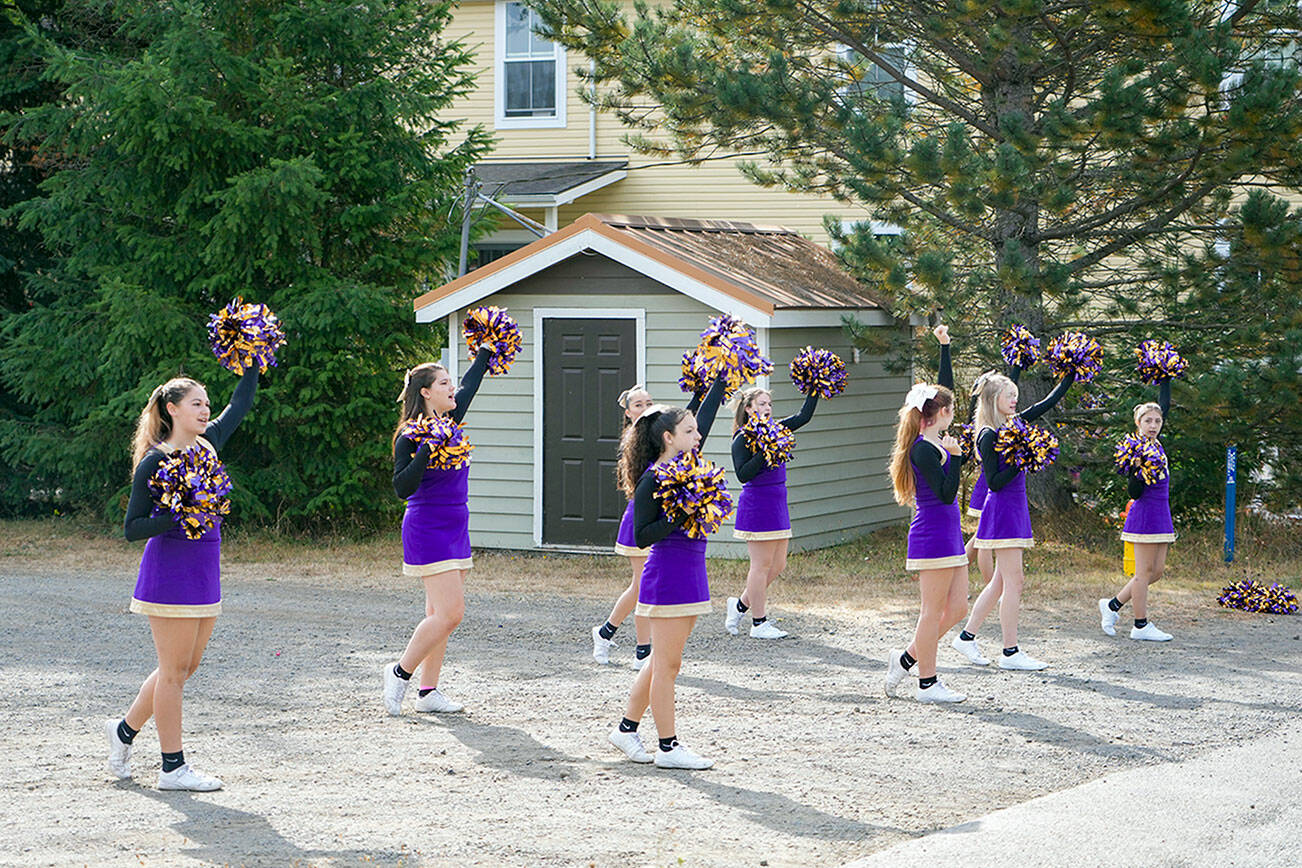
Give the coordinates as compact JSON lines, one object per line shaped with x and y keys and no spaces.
{"x":919,"y":395}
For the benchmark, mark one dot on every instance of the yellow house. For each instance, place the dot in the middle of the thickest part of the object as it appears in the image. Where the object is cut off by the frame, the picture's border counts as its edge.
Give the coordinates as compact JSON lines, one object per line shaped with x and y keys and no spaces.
{"x":556,"y":158}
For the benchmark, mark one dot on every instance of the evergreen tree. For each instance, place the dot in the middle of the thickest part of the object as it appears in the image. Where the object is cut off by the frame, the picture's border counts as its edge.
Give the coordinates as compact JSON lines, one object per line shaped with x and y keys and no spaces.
{"x":1054,"y":163}
{"x":295,"y":153}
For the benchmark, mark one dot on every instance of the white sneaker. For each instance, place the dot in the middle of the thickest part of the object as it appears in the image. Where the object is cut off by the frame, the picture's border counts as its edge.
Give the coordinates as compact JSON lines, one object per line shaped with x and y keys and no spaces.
{"x":394,"y":689}
{"x":970,"y":650}
{"x":732,"y":616}
{"x":601,"y":647}
{"x":766,"y":630}
{"x":435,"y":701}
{"x":639,"y":662}
{"x":1021,"y":661}
{"x":186,"y":778}
{"x":939,"y":693}
{"x":631,"y":744}
{"x":681,"y":758}
{"x":895,"y":672}
{"x":119,"y":756}
{"x":1108,"y":618}
{"x":1149,"y":633}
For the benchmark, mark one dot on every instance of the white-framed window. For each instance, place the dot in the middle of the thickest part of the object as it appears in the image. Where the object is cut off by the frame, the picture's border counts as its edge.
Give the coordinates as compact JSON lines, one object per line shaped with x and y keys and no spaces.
{"x":872,"y":79}
{"x":529,"y":71}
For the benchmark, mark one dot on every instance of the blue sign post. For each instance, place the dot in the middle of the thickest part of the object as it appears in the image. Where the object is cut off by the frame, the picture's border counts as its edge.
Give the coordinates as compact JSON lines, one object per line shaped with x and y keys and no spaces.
{"x":1231,"y":471}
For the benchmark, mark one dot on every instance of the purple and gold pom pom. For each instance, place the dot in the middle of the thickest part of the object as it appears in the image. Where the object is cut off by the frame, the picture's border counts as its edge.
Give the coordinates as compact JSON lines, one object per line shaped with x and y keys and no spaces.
{"x":245,"y":336}
{"x":770,"y":438}
{"x":1025,"y":446}
{"x":727,"y":348}
{"x":1021,"y":349}
{"x":194,"y":487}
{"x":1159,"y":361}
{"x":449,"y":447}
{"x":818,"y":371}
{"x":1140,"y":456}
{"x":491,"y":327}
{"x":966,"y":437}
{"x":1250,"y":595}
{"x":1075,"y":353}
{"x":693,"y":493}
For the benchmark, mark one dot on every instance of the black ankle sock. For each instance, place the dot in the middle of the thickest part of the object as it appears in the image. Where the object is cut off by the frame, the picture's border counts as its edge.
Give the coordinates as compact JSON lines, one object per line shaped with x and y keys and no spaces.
{"x":758,"y":621}
{"x":668,"y":744}
{"x":742,"y":607}
{"x":642,"y":652}
{"x":626,"y":725}
{"x":1009,"y":652}
{"x":173,"y":761}
{"x":400,"y":672}
{"x":966,"y":636}
{"x":126,"y":734}
{"x":1141,"y":623}
{"x":606,"y":630}
{"x":924,"y":683}
{"x":426,"y":691}
{"x":1115,"y":605}
{"x":906,"y":661}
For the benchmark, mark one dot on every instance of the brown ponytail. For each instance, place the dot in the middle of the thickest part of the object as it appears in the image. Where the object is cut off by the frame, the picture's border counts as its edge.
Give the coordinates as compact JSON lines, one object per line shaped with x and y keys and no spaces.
{"x":413,"y":402}
{"x":155,"y":423}
{"x":906,"y":433}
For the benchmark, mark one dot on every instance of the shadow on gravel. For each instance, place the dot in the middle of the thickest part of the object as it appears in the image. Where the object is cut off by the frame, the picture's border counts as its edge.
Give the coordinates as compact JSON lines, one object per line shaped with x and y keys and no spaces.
{"x":1045,"y":731}
{"x":1159,"y":700}
{"x":510,"y":750}
{"x":226,"y":836}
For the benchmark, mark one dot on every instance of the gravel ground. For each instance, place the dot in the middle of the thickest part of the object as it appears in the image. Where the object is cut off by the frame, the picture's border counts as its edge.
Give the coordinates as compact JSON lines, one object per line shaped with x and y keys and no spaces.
{"x":815,"y":766}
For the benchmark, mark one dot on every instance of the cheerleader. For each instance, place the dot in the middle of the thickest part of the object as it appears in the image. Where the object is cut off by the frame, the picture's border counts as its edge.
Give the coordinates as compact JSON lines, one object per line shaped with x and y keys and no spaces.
{"x":179,"y":586}
{"x":674,"y":589}
{"x":762,"y":517}
{"x":1005,"y":525}
{"x":634,"y":402}
{"x":435,"y":530}
{"x":925,"y":467}
{"x":1148,"y":527}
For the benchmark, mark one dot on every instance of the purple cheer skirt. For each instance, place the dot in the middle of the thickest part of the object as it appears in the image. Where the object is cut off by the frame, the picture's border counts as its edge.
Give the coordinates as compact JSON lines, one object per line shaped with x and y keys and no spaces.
{"x":936,"y":532}
{"x":626,"y":540}
{"x":180,"y":577}
{"x":762,"y":507}
{"x":436,"y":525}
{"x":978,"y":498}
{"x":673,"y":580}
{"x":1149,"y":519}
{"x":1006,"y":518}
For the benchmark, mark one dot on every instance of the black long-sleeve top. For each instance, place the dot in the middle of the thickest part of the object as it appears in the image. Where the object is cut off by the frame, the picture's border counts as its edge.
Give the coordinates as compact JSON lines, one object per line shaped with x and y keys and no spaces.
{"x":139,"y":523}
{"x":411,"y":461}
{"x":985,"y":441}
{"x":928,"y":458}
{"x":650,"y":524}
{"x":1135,"y":485}
{"x":751,"y":464}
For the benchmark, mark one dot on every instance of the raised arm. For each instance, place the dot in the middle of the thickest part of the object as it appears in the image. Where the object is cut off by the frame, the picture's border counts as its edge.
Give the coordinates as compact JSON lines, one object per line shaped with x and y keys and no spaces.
{"x":1164,"y":398}
{"x":219,"y":430}
{"x":650,"y":524}
{"x":942,"y":481}
{"x":799,"y":420}
{"x":139,"y":523}
{"x":946,"y":375}
{"x":1035,"y":411}
{"x":710,"y":408}
{"x":470,"y":384}
{"x":409,"y":464}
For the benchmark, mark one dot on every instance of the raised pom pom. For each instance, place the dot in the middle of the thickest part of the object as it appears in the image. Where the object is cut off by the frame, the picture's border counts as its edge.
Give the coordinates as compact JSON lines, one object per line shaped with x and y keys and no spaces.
{"x":727,"y":348}
{"x":769,"y":438}
{"x":194,"y":487}
{"x":1250,"y":595}
{"x":693,"y":493}
{"x":1025,"y":446}
{"x":1021,"y":349}
{"x":1136,"y":455}
{"x":1075,"y":352}
{"x":491,"y":327}
{"x":449,"y":447}
{"x":966,"y":437}
{"x":245,"y":336}
{"x":818,"y":371}
{"x":1159,"y":361}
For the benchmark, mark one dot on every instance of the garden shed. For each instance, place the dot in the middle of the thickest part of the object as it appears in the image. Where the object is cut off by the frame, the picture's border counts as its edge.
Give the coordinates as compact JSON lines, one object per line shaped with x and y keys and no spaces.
{"x":610,"y":301}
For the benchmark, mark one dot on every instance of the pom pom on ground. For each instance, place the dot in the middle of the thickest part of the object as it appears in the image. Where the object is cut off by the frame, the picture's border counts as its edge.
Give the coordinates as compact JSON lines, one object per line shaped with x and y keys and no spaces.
{"x":1025,"y":446}
{"x":818,"y":371}
{"x":245,"y":336}
{"x":491,"y":327}
{"x":1159,"y":361}
{"x":727,"y":348}
{"x":194,"y":487}
{"x":1021,"y":349}
{"x":1075,"y":352}
{"x":1250,"y":595}
{"x":1136,"y":455}
{"x":769,"y":438}
{"x":693,"y":493}
{"x":449,"y":447}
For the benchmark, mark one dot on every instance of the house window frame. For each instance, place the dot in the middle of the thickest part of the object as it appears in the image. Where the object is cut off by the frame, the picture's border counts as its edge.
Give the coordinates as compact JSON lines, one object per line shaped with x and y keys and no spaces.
{"x":904,"y":49}
{"x":500,"y":120}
